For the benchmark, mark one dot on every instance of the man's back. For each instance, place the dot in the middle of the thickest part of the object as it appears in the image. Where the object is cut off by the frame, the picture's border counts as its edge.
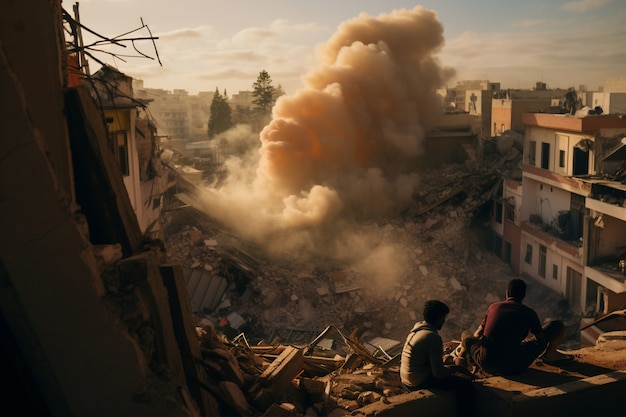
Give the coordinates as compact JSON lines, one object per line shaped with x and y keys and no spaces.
{"x":415,"y":364}
{"x":506,"y":325}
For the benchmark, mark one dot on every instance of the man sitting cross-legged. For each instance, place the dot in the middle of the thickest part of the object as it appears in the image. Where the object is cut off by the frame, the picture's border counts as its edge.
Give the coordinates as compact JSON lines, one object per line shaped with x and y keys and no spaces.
{"x":501,"y":345}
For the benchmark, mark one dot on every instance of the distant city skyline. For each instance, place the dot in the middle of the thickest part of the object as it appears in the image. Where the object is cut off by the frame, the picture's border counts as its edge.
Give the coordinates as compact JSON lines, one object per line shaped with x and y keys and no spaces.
{"x":204,"y":45}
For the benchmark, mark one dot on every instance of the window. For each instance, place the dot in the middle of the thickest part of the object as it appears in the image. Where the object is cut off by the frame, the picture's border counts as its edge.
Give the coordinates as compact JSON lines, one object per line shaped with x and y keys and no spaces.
{"x":529,"y":254}
{"x":581,"y":162}
{"x":497,"y":246}
{"x":545,"y":155}
{"x":118,"y":144}
{"x":495,"y":129}
{"x":508,"y":252}
{"x":561,"y":159}
{"x":502,"y":131}
{"x":555,"y":272}
{"x":576,"y":218}
{"x":542,"y":261}
{"x":573,"y":288}
{"x":510,"y":212}
{"x":498,"y":212}
{"x":532,"y":153}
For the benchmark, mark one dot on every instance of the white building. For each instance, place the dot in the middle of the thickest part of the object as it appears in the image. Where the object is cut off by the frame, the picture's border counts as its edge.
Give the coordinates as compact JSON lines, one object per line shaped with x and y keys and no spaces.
{"x":573,"y":214}
{"x":132,"y":137}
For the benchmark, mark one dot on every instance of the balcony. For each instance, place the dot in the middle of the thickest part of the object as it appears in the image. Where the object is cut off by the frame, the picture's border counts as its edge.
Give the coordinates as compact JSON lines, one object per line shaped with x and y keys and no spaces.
{"x":554,"y":237}
{"x":607,"y":197}
{"x":608,"y":273}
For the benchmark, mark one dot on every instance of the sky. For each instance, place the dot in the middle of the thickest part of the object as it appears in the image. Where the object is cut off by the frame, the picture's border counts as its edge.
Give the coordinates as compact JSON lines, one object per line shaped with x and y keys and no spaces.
{"x":343,"y":145}
{"x":207,"y":44}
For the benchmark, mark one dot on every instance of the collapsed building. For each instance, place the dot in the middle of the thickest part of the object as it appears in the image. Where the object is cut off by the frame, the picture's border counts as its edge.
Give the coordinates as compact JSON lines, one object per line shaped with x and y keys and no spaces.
{"x":98,"y":319}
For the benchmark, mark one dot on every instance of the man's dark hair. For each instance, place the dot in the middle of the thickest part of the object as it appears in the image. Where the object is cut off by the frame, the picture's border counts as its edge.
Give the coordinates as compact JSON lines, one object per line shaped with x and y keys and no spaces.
{"x":433,"y":309}
{"x":516,"y":288}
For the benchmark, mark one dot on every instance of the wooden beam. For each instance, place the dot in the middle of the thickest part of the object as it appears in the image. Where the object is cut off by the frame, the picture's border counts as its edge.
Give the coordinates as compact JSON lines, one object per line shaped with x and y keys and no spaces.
{"x":187,"y":338}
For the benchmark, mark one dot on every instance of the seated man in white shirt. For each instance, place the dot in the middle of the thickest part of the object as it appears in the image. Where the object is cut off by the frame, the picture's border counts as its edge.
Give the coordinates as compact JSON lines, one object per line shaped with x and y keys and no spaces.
{"x":422,"y":360}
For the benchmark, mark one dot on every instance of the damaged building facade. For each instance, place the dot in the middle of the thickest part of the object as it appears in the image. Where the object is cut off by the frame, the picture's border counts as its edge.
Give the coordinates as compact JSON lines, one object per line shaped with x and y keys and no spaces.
{"x":133,"y":139}
{"x":563,"y":222}
{"x":93,"y":329}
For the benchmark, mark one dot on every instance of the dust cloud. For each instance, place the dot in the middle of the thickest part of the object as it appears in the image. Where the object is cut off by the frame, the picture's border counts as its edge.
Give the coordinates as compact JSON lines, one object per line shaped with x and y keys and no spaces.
{"x":343,"y":149}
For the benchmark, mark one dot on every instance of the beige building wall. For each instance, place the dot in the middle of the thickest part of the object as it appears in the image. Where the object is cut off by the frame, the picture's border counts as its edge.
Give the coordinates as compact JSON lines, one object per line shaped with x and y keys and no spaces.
{"x":610,"y":102}
{"x":506,"y":114}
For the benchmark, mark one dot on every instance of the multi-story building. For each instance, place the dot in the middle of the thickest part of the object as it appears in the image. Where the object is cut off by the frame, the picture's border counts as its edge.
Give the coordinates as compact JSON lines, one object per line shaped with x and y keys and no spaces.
{"x":132,"y":138}
{"x":459,"y":96}
{"x":473,"y":97}
{"x":508,"y":106}
{"x":242,"y":99}
{"x":478,"y":102}
{"x":573,"y":210}
{"x":506,"y":221}
{"x":185,"y":116}
{"x":179,"y":115}
{"x":170,"y":110}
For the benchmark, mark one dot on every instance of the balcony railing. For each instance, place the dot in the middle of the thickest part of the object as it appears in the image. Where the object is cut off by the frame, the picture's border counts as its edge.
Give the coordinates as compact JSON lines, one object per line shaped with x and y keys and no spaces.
{"x":552,"y":236}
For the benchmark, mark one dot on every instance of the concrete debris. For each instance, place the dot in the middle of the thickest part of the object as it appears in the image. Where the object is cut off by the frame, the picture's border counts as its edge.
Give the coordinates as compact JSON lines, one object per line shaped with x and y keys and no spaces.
{"x":447,"y":260}
{"x":455,"y":284}
{"x":350,"y":379}
{"x":279,"y":302}
{"x":290,"y":353}
{"x":276,"y":380}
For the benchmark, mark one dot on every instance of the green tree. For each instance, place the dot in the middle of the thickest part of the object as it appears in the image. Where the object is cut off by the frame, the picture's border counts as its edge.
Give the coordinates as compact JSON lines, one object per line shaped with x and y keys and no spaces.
{"x":221,"y":117}
{"x":278,"y":91}
{"x":264,"y":93}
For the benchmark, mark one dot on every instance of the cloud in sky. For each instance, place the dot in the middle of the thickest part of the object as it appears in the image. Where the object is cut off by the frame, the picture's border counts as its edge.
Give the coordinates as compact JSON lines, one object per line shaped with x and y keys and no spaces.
{"x":185,"y":34}
{"x":553,"y":55}
{"x":489,"y":42}
{"x":582,"y":6}
{"x":530,"y":23}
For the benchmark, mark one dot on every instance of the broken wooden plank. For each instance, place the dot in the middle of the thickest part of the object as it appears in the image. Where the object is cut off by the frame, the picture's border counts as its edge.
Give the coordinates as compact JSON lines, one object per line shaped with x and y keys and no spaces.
{"x":186,"y":336}
{"x":283,"y":369}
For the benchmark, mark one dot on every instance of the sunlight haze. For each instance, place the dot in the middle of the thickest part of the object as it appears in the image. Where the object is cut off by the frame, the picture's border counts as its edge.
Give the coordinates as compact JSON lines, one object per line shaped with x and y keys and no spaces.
{"x":204,"y":44}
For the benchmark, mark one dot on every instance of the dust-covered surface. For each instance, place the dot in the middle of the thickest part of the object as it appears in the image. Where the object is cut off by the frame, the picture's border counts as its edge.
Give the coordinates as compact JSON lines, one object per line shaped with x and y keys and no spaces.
{"x":338,"y":222}
{"x":406,"y":260}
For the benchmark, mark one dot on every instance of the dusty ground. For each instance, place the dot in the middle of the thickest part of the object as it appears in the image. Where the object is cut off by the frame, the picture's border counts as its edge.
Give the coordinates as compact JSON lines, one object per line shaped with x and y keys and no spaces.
{"x":609,"y":357}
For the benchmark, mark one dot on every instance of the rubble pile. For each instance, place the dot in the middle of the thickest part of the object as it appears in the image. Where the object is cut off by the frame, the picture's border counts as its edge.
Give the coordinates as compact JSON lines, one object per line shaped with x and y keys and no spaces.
{"x":309,"y":298}
{"x":441,"y":250}
{"x":257,"y":343}
{"x":295,"y":380}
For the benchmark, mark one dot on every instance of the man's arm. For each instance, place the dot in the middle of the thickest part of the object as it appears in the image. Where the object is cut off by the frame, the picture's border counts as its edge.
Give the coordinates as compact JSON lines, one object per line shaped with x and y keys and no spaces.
{"x":481,"y":327}
{"x":479,"y":330}
{"x":436,"y":358}
{"x":535,"y":326}
{"x":541,"y":337}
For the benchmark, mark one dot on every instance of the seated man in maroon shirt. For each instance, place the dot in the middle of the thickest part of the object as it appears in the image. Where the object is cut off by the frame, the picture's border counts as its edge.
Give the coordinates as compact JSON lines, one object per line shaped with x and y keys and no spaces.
{"x":501,"y":344}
